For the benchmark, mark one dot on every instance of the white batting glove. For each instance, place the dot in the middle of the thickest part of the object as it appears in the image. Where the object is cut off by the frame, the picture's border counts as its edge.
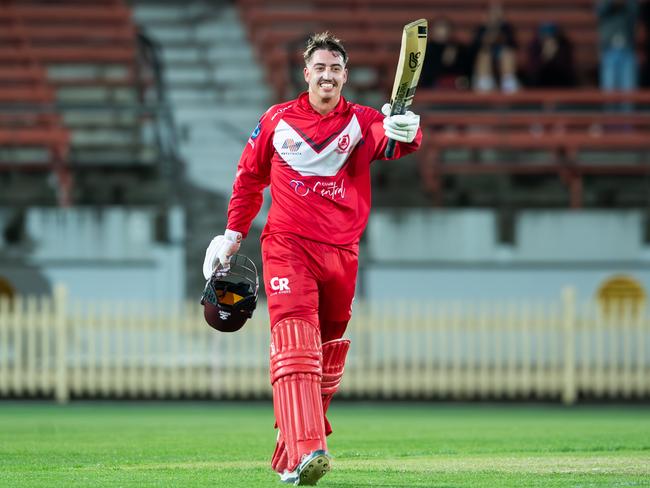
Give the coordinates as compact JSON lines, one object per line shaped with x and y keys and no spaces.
{"x":402,"y":128}
{"x":219,"y":252}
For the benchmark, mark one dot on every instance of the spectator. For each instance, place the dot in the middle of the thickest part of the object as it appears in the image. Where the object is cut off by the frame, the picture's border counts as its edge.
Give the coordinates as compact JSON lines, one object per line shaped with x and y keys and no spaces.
{"x":616,"y":29}
{"x":446,"y":64}
{"x":494,"y":52}
{"x":550,"y":58}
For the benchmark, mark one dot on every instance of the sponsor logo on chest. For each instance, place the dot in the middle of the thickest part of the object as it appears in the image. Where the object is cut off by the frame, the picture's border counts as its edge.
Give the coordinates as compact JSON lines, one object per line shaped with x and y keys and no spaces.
{"x":334,"y":190}
{"x":291,"y":146}
{"x":311,"y":159}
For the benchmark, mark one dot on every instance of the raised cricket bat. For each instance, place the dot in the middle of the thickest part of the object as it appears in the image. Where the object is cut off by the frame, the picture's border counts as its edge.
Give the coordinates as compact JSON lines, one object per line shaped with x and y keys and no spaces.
{"x":409,"y":67}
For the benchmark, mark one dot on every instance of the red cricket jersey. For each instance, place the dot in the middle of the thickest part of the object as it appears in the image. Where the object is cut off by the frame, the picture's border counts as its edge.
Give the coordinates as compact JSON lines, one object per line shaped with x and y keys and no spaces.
{"x":318,"y":167}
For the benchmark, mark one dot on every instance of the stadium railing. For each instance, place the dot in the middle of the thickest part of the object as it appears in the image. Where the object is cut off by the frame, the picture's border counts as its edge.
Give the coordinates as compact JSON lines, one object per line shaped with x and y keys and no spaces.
{"x":560,"y":350}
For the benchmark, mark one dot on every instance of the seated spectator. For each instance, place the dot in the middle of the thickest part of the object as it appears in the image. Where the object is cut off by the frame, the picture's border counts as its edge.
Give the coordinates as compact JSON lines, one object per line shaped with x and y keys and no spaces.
{"x":446,"y":64}
{"x":494,"y":52}
{"x":616,"y":31}
{"x":550,"y":59}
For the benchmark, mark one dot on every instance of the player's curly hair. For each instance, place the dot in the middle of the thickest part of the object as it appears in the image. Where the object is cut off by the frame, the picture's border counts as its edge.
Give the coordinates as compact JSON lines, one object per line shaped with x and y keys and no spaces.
{"x":324,"y":40}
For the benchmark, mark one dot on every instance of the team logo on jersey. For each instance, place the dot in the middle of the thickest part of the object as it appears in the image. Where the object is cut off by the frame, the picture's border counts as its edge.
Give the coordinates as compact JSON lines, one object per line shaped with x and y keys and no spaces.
{"x":299,"y":187}
{"x":344,"y":143}
{"x":292,"y":145}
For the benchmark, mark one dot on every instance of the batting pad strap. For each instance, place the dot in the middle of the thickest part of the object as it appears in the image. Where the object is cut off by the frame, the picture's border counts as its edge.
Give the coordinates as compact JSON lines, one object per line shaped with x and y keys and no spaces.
{"x":290,"y":362}
{"x":295,"y":349}
{"x":334,"y":354}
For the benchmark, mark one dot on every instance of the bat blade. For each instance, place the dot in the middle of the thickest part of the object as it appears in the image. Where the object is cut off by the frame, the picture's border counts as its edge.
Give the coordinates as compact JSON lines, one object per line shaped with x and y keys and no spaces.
{"x":409,"y":67}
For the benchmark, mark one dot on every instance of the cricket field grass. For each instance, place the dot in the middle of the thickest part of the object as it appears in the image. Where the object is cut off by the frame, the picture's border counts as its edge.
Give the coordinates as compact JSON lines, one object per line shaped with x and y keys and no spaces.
{"x":385,"y":445}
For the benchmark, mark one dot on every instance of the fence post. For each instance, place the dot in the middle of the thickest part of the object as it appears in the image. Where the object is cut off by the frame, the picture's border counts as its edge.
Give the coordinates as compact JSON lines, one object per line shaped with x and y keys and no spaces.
{"x":61,"y":393}
{"x":569,"y":393}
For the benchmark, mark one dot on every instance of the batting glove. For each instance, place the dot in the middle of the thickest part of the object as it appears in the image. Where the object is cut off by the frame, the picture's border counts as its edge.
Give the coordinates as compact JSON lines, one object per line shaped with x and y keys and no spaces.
{"x":219,"y":252}
{"x":402,"y":128}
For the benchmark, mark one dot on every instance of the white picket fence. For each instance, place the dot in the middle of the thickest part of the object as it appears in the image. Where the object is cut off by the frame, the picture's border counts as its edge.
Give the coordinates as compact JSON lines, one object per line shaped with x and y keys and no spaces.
{"x":52,"y":346}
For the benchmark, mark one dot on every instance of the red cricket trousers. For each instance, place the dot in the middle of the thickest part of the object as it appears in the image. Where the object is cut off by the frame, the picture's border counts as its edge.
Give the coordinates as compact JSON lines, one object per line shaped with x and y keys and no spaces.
{"x":311,"y":281}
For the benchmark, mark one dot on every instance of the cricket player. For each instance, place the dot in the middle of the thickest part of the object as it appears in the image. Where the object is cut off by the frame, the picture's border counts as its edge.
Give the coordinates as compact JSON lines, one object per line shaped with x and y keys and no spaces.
{"x":315,"y":153}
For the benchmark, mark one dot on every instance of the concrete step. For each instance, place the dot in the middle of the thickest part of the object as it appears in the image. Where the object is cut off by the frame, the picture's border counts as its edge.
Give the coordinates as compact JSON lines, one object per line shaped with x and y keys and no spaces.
{"x":95,"y":94}
{"x":195,"y":74}
{"x":193,"y":53}
{"x":239,"y":54}
{"x":188,"y":53}
{"x":222,"y":141}
{"x":208,"y":155}
{"x":170,"y":33}
{"x":222,"y":32}
{"x":221,"y":116}
{"x":89,"y":156}
{"x":218,"y":137}
{"x":196,"y":114}
{"x":230,"y":16}
{"x":214,"y":80}
{"x":183,"y":97}
{"x":235,"y":74}
{"x":168,"y":13}
{"x":25,"y":155}
{"x":215,"y":87}
{"x":239,"y":112}
{"x":105,"y":136}
{"x":184,"y":44}
{"x":63,"y":72}
{"x":73,"y":118}
{"x":241,"y":116}
{"x":151,"y":14}
{"x":191,"y":96}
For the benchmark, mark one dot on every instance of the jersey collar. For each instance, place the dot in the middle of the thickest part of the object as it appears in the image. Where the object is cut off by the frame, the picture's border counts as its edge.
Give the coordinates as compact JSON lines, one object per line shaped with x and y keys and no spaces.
{"x":303,"y":102}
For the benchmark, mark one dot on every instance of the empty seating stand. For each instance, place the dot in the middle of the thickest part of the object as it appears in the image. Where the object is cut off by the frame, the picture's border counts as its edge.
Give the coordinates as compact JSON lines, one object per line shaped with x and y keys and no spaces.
{"x":95,"y":42}
{"x":25,"y":133}
{"x":32,"y":137}
{"x":59,"y":60}
{"x":562,"y":124}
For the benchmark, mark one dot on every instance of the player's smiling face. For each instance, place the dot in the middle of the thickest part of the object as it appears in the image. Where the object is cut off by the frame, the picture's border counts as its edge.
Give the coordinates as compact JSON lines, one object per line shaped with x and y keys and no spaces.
{"x":326,"y":74}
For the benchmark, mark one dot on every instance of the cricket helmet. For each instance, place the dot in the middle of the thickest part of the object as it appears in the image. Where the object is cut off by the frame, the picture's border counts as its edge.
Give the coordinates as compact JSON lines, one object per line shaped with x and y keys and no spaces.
{"x":230,"y":297}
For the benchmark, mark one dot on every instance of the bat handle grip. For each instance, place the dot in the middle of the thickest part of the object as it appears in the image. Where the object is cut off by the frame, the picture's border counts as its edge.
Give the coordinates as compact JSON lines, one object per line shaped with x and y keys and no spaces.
{"x":390,"y":149}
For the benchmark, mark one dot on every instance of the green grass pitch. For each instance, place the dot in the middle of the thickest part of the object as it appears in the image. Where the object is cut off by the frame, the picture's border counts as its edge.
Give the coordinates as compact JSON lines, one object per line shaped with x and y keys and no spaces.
{"x":395,"y":445}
